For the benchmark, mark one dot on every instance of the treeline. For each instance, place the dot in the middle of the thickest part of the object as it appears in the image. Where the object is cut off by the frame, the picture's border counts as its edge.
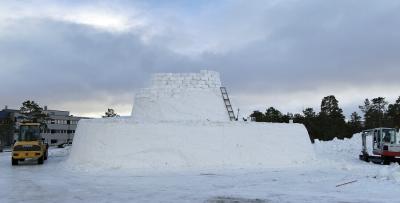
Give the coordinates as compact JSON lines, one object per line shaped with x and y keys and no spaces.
{"x":330,"y":122}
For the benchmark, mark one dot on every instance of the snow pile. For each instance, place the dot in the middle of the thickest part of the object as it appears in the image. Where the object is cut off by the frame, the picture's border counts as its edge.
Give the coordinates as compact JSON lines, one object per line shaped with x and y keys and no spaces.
{"x":181,"y":97}
{"x":391,"y":172}
{"x":120,"y":143}
{"x":342,"y":154}
{"x":346,"y":150}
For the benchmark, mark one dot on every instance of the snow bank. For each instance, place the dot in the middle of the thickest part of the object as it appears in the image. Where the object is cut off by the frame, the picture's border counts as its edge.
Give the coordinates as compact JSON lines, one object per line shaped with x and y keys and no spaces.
{"x":339,"y":150}
{"x":346,"y":150}
{"x":119,"y":143}
{"x":344,"y":154}
{"x":181,"y":97}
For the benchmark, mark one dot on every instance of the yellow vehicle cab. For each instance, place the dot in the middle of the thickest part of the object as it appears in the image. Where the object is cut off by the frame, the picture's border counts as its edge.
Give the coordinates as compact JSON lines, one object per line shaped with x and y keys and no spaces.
{"x":29,"y":144}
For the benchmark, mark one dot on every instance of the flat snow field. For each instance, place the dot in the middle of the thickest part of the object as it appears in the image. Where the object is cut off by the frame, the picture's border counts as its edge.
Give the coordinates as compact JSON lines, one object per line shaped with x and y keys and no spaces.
{"x":314,"y":182}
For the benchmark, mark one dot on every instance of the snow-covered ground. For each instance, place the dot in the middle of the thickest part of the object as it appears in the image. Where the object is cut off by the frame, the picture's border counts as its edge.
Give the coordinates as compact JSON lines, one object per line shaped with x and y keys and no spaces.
{"x":336,"y":163}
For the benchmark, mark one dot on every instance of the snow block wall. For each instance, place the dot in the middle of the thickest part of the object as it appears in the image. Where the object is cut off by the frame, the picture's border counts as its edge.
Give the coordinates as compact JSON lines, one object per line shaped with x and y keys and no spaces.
{"x":180,"y":123}
{"x":119,"y":143}
{"x":181,"y":97}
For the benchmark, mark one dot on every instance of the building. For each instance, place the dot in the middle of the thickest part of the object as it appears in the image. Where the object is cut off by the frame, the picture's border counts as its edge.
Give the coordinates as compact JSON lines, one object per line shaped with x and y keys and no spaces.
{"x":60,"y":126}
{"x":7,"y":128}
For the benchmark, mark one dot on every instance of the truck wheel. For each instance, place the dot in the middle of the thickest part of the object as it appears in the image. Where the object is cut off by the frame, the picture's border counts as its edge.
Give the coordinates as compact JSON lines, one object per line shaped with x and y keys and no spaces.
{"x":385,"y":160}
{"x":41,"y":159}
{"x":366,"y":158}
{"x":14,"y":161}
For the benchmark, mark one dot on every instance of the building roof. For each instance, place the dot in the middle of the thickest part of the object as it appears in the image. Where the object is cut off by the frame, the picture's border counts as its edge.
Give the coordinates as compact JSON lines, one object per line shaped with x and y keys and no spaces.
{"x":10,"y":110}
{"x":52,"y":113}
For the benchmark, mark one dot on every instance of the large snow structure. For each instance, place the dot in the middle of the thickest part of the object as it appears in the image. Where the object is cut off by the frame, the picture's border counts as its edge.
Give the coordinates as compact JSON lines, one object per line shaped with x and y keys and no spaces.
{"x":181,"y":123}
{"x":181,"y":97}
{"x":189,"y":145}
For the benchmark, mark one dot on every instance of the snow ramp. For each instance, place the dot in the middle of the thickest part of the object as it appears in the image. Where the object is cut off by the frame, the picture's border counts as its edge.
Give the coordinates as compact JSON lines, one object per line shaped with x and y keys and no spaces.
{"x":171,"y":146}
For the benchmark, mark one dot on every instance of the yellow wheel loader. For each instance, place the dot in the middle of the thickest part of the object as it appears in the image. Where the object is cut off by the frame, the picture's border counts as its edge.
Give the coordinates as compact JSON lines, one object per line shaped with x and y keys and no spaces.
{"x":29,"y":144}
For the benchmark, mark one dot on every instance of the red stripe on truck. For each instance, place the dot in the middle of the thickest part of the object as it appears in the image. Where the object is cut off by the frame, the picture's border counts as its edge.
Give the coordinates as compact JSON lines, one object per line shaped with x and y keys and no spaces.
{"x":389,"y":153}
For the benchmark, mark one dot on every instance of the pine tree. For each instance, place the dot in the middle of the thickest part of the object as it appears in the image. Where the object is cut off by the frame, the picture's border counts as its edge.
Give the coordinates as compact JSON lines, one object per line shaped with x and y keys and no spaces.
{"x":298,"y":118}
{"x":354,"y":123}
{"x":330,"y":107}
{"x":393,"y":114}
{"x":375,"y":112}
{"x":310,"y":121}
{"x":258,"y":116}
{"x":366,"y":107}
{"x":309,"y":113}
{"x":273,"y":115}
{"x":110,"y":113}
{"x":287,"y":117}
{"x":331,"y":119}
{"x":33,"y":112}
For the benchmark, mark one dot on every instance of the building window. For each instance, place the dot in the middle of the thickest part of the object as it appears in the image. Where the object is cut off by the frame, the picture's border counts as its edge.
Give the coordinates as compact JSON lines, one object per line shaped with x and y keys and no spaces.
{"x":53,"y":141}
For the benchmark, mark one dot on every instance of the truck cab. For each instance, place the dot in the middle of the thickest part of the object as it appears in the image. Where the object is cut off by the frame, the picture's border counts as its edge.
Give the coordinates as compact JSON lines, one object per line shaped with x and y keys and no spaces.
{"x":386,"y":142}
{"x":29,"y":144}
{"x":385,"y":145}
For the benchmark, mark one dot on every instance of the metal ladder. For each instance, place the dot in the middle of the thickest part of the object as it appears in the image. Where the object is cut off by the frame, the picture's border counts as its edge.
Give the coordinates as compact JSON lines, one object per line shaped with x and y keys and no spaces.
{"x":228,"y":104}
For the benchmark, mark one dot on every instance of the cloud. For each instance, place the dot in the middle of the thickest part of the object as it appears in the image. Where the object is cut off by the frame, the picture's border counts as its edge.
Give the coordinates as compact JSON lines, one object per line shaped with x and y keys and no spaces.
{"x":86,"y":56}
{"x":59,"y":62}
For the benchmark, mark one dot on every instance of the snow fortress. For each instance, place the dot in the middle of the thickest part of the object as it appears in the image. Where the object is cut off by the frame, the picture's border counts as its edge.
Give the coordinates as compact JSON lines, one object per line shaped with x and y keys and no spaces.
{"x":181,"y":123}
{"x":181,"y":97}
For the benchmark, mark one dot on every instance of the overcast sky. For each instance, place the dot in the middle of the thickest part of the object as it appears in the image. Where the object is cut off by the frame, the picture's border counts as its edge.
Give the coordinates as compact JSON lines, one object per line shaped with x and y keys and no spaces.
{"x":87,"y":56}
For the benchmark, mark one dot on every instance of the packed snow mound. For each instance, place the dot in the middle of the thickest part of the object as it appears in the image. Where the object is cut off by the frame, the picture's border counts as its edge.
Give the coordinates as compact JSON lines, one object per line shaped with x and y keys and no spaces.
{"x":120,"y":143}
{"x":346,"y":150}
{"x":339,"y":150}
{"x":181,"y":97}
{"x":342,"y":154}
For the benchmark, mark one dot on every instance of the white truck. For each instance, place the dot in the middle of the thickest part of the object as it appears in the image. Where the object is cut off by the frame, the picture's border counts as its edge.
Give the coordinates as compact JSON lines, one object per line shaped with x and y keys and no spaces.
{"x":385,"y":146}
